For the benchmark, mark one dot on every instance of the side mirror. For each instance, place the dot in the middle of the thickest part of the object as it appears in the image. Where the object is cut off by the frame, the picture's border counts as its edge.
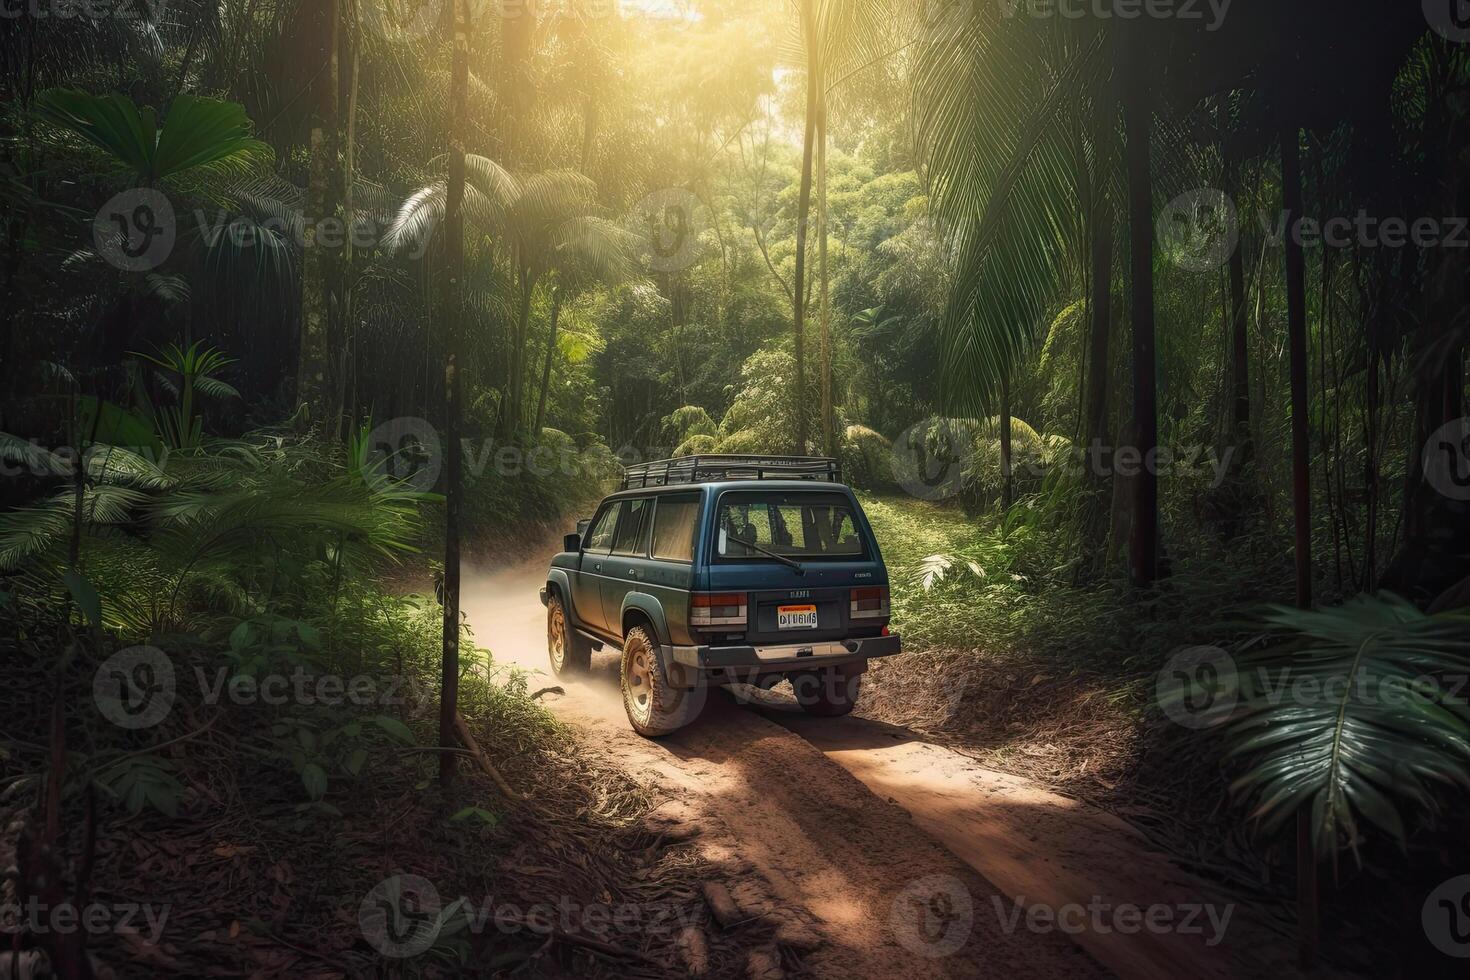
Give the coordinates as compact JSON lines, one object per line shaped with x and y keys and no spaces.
{"x":572,"y":542}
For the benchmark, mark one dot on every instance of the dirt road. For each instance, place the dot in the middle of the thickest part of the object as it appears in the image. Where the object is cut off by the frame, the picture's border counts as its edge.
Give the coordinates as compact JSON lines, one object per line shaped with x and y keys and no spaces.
{"x":890,"y":856}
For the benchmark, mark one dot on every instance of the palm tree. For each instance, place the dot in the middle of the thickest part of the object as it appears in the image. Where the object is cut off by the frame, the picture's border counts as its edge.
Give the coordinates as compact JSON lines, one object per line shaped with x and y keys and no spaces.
{"x":452,"y":313}
{"x":590,"y":251}
{"x":1138,"y":120}
{"x":1004,"y":185}
{"x":319,"y":265}
{"x":832,"y":35}
{"x":199,"y":138}
{"x":812,"y":53}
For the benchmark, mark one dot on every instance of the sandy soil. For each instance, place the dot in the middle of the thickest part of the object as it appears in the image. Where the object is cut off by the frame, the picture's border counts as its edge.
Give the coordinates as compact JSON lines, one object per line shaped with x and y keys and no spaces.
{"x":886,"y":856}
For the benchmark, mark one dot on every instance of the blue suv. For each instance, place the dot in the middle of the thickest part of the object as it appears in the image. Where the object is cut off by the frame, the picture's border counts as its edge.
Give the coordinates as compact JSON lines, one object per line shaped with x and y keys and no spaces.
{"x":711,"y":570}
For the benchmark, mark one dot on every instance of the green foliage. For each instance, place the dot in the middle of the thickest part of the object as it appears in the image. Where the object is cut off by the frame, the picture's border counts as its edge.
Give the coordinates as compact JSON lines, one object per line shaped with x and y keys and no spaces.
{"x":1355,"y":715}
{"x":227,"y":519}
{"x":762,"y":418}
{"x":867,"y":460}
{"x":197,"y":135}
{"x":144,"y":781}
{"x":691,"y":420}
{"x":196,"y":369}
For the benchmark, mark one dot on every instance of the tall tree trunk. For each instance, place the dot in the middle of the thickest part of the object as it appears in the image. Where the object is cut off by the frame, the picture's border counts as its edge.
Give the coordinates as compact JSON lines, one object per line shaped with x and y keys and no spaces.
{"x":1143,"y":556}
{"x":591,"y":113}
{"x":1296,"y":326}
{"x":1101,"y":321}
{"x":1007,"y":471}
{"x":451,"y":313}
{"x":1101,"y":217}
{"x":347,"y":377}
{"x":311,"y":371}
{"x":510,"y":410}
{"x":1240,"y":379}
{"x":829,"y":439}
{"x":803,"y":208}
{"x":546,"y":368}
{"x":1240,"y":427}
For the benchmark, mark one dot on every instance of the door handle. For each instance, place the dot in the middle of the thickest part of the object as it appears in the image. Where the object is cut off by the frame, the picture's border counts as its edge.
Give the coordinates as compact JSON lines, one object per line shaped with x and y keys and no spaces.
{"x":632,"y":573}
{"x":597,"y":566}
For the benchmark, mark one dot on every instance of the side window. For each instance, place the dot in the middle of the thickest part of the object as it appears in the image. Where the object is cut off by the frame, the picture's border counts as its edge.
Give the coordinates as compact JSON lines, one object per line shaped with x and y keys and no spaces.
{"x":629,"y":537}
{"x":600,"y":535}
{"x":673,"y":528}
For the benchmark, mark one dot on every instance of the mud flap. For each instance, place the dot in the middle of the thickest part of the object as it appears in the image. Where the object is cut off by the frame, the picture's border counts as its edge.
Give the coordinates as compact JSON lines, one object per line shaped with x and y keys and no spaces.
{"x":673,"y":673}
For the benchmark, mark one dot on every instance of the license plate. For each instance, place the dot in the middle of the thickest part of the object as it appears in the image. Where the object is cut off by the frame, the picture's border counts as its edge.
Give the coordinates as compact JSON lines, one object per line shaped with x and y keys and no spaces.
{"x":796,"y":617}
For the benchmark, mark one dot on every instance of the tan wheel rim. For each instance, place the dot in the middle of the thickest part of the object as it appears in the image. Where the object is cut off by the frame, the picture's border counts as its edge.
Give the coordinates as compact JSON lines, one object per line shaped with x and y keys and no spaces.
{"x":638,"y":684}
{"x":556,"y":637}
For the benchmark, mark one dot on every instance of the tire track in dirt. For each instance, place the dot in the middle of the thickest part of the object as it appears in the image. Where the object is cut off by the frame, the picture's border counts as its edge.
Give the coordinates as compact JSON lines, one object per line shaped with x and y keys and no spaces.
{"x":1048,"y":850}
{"x":800,"y":838}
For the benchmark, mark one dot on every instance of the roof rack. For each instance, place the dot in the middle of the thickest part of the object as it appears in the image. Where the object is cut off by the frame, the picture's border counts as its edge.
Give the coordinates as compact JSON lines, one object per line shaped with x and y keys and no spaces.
{"x":710,"y":468}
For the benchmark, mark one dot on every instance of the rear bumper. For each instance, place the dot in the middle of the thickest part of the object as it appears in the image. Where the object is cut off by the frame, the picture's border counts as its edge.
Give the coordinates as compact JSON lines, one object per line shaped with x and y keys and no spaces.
{"x":784,"y":657}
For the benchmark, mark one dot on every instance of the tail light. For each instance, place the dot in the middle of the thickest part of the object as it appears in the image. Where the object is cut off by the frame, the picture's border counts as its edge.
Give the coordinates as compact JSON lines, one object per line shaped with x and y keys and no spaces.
{"x":870,"y":602}
{"x":708,"y":609}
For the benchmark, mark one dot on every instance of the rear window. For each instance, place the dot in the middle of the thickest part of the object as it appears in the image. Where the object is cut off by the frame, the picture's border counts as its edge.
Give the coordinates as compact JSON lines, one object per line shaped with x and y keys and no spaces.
{"x":673,"y":528}
{"x":797,"y":524}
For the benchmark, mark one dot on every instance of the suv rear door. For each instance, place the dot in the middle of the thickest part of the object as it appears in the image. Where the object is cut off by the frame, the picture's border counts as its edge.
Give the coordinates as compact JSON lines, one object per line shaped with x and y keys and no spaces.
{"x":824,"y":531}
{"x":621,"y":568}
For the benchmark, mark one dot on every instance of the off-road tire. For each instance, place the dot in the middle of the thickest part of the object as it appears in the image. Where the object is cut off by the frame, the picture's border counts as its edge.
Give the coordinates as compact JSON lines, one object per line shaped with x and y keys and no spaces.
{"x":570,"y":652}
{"x":830,"y":693}
{"x":654,"y":708}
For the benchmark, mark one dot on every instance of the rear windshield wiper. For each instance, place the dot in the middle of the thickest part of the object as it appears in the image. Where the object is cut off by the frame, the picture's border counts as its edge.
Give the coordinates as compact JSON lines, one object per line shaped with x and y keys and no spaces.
{"x":755,"y":547}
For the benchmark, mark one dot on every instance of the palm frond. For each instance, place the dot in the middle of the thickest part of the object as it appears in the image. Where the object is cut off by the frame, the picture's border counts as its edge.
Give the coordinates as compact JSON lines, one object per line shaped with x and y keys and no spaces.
{"x":1350,"y":718}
